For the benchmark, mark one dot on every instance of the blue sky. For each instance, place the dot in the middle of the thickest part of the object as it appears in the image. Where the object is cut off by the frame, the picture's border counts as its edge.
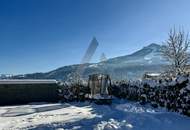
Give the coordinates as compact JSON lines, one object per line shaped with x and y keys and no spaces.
{"x":41,"y":35}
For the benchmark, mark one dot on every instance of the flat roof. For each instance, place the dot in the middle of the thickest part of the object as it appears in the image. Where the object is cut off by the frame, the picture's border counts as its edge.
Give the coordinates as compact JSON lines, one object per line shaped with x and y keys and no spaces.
{"x":28,"y":81}
{"x":153,"y":74}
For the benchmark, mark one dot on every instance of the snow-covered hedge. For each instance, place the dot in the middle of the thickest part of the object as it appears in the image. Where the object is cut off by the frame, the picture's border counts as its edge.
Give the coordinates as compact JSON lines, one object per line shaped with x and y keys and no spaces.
{"x":174,"y":94}
{"x":73,"y":92}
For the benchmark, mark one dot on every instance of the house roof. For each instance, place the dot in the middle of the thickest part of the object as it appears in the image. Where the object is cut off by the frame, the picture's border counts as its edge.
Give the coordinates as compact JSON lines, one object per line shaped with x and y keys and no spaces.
{"x":28,"y":81}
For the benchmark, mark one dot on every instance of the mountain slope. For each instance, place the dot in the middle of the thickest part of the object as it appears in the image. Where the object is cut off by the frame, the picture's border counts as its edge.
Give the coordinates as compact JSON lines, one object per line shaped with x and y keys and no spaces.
{"x":132,"y":66}
{"x":144,"y":56}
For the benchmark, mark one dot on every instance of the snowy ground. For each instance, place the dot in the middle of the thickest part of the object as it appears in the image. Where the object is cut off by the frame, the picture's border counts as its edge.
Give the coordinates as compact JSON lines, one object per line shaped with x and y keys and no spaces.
{"x":120,"y":115}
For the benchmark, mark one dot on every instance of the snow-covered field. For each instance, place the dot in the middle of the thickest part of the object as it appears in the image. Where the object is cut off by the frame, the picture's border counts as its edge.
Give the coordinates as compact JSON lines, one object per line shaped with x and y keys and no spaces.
{"x":122,"y":115}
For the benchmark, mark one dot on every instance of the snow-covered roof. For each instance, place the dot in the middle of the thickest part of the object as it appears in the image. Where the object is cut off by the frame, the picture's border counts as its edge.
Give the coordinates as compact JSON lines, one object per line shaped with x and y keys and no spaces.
{"x":153,"y":74}
{"x":28,"y":81}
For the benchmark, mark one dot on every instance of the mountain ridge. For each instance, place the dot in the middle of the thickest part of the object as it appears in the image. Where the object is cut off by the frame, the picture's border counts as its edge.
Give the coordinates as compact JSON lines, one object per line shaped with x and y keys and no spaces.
{"x":131,"y":66}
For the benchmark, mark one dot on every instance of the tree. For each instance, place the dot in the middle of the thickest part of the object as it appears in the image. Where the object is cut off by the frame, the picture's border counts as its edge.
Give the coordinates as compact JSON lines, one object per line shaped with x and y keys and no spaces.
{"x":175,"y":50}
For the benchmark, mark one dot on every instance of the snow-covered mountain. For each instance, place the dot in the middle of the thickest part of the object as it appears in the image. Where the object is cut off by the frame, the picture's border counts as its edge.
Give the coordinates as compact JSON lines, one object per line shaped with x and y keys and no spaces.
{"x":148,"y":55}
{"x":133,"y":66}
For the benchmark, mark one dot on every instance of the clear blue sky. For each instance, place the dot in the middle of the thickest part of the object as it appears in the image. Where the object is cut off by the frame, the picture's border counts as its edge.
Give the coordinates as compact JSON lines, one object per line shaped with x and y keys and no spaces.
{"x":41,"y":35}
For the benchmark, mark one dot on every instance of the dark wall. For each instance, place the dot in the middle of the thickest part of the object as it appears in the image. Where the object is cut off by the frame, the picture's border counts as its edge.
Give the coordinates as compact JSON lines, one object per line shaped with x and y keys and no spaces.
{"x":25,"y":93}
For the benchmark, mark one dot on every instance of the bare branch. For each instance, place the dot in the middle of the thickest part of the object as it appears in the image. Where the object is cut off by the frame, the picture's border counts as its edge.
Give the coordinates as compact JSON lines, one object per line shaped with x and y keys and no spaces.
{"x":175,"y":49}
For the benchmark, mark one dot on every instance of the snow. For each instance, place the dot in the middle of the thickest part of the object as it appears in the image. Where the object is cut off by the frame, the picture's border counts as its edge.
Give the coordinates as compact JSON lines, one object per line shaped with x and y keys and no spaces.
{"x":181,"y":79}
{"x":28,"y":81}
{"x":153,"y":55}
{"x":112,"y":124}
{"x":188,"y":87}
{"x":93,"y":65}
{"x":98,"y":96}
{"x":21,"y":117}
{"x":172,"y":83}
{"x":151,"y":83}
{"x":134,"y":108}
{"x":153,"y":74}
{"x":121,"y":115}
